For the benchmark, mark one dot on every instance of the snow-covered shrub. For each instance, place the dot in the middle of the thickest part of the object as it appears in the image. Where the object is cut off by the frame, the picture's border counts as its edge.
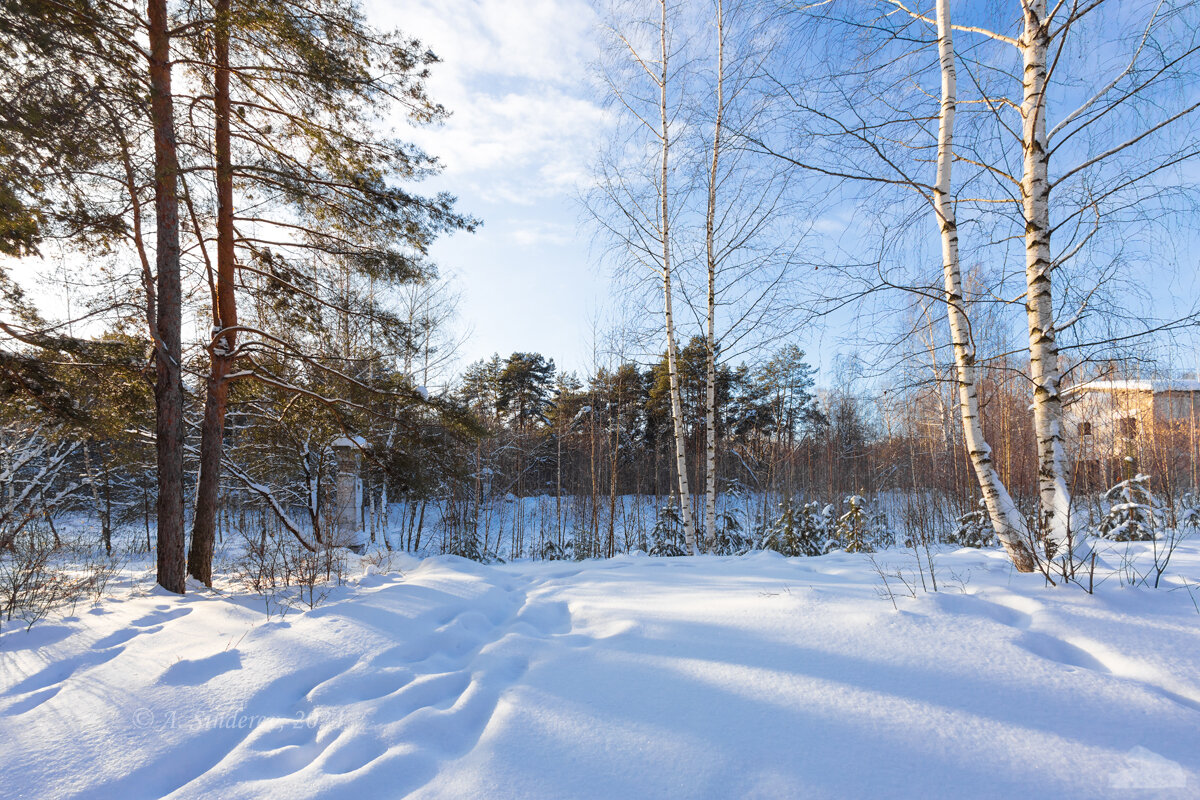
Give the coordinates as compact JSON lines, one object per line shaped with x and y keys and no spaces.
{"x":551,"y":551}
{"x":816,"y":529}
{"x":1134,"y":514}
{"x":277,"y":566}
{"x":731,"y":538}
{"x":974,"y":529}
{"x":1188,"y":515}
{"x":667,"y":538}
{"x":800,"y":530}
{"x":468,"y":545}
{"x":860,"y":530}
{"x":315,"y":574}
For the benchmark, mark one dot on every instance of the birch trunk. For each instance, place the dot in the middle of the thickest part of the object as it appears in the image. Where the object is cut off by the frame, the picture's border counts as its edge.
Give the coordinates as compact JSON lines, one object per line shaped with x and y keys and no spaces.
{"x":710,"y":339}
{"x":1006,"y":520}
{"x":685,"y":497}
{"x":1034,"y":45}
{"x":168,"y":387}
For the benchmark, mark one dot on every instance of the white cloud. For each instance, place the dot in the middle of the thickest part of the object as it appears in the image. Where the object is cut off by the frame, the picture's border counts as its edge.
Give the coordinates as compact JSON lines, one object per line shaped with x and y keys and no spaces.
{"x":524,"y":123}
{"x":535,"y":233}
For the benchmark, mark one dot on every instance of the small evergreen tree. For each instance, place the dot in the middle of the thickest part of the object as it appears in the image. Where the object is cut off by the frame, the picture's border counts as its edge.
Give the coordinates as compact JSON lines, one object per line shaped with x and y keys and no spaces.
{"x":858,"y":530}
{"x":974,"y":529}
{"x":800,"y":530}
{"x":666,"y":539}
{"x":1189,"y":511}
{"x":1135,"y":514}
{"x":467,"y":545}
{"x":782,"y":535}
{"x":731,"y":538}
{"x":816,"y":529}
{"x":551,"y":551}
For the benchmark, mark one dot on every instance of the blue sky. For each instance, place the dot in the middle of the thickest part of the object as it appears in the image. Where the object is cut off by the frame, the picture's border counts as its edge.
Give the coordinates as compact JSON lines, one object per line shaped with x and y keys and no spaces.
{"x":525,"y":125}
{"x":526,"y":122}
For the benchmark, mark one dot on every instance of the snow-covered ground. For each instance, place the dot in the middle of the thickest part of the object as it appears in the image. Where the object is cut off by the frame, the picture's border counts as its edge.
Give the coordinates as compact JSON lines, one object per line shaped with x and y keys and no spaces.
{"x":629,"y":678}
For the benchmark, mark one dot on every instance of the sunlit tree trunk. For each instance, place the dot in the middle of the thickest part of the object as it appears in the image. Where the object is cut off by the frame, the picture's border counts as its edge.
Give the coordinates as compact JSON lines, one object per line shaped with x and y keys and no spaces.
{"x":221,"y":348}
{"x":168,"y":388}
{"x":685,"y":495}
{"x":710,"y":337}
{"x":1006,"y":520}
{"x":1034,"y":44}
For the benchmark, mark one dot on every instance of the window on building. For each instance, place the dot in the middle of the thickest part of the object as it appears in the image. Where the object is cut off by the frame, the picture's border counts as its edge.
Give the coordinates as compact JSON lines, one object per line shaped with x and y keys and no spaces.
{"x":1085,"y":429}
{"x":1128,"y":427}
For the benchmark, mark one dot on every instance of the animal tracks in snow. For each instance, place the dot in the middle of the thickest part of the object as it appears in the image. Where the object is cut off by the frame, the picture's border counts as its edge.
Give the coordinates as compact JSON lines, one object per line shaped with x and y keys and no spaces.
{"x":633,"y":677}
{"x":438,"y":685}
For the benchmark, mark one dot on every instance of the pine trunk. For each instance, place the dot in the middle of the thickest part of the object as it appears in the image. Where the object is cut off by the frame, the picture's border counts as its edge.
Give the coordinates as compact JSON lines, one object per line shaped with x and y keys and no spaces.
{"x":168,"y":388}
{"x":224,"y":317}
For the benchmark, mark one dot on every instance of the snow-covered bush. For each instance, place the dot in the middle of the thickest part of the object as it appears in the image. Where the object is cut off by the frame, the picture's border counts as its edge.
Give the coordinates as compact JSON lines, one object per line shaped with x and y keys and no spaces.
{"x":731,"y":538}
{"x":800,"y":530}
{"x":551,"y":551}
{"x":38,"y":475}
{"x":974,"y":529}
{"x":666,"y":538}
{"x":1188,"y":515}
{"x":1134,"y":514}
{"x":276,"y":566}
{"x":39,"y":573}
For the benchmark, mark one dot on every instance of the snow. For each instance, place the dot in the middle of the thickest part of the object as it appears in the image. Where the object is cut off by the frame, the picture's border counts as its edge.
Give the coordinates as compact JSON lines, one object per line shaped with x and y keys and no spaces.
{"x":351,"y":441}
{"x":712,"y":677}
{"x":1155,"y":386}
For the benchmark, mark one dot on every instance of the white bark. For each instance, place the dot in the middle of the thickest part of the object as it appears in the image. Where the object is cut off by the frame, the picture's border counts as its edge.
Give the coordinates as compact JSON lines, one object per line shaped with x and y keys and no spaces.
{"x":1055,"y":494}
{"x":1006,"y":520}
{"x":685,"y":498}
{"x":710,"y":341}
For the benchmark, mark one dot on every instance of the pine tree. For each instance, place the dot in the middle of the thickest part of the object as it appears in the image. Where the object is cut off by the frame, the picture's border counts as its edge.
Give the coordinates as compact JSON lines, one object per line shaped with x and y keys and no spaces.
{"x":731,"y":538}
{"x":858,"y":530}
{"x":974,"y":529}
{"x":524,"y":388}
{"x":667,"y":538}
{"x":1134,"y":513}
{"x":293,"y":90}
{"x":801,"y":529}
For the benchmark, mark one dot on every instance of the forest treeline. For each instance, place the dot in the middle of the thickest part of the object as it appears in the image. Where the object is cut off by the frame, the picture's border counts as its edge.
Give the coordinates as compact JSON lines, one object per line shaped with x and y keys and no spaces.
{"x":245,"y":275}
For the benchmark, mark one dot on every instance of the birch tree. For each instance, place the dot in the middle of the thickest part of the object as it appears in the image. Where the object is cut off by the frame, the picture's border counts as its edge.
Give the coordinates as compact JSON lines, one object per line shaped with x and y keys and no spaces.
{"x":1002,"y":511}
{"x":640,"y":218}
{"x":1122,"y":163}
{"x":884,"y":154}
{"x":753,"y":224}
{"x":665,"y":134}
{"x":710,"y":330}
{"x":1134,"y":95}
